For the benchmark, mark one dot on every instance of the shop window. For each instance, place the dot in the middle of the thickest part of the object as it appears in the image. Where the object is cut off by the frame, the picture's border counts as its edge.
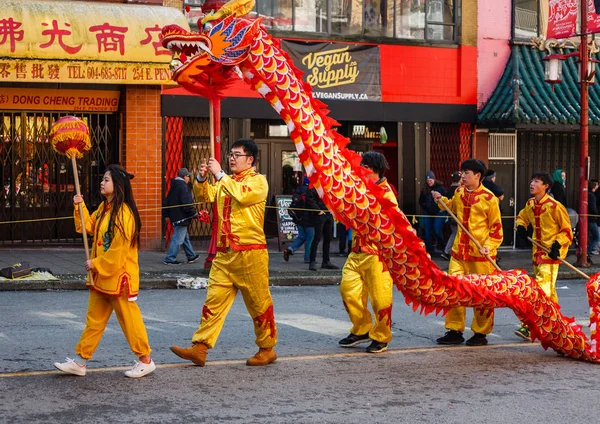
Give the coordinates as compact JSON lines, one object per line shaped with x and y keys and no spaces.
{"x":526,"y":19}
{"x":276,"y":14}
{"x":278,"y":131}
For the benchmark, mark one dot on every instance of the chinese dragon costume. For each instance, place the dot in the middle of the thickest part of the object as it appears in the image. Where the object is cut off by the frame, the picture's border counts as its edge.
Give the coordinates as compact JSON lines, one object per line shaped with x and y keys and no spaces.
{"x":229,"y":46}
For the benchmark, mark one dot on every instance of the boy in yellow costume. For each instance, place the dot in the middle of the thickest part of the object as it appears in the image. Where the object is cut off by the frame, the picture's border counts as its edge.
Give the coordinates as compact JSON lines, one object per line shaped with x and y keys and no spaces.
{"x":242,"y":261}
{"x":115,"y":272}
{"x":477,"y":209}
{"x":364,"y":277}
{"x":551,"y":228}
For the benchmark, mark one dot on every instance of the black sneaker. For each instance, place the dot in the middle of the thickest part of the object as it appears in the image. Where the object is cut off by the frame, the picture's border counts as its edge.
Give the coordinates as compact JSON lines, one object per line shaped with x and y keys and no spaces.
{"x":353,"y":340}
{"x":477,"y":340}
{"x":377,"y":347}
{"x":194,"y":259}
{"x":172,"y":263}
{"x":446,"y":256}
{"x":312,"y":266}
{"x":329,"y":265}
{"x":451,"y":338}
{"x":286,"y":254}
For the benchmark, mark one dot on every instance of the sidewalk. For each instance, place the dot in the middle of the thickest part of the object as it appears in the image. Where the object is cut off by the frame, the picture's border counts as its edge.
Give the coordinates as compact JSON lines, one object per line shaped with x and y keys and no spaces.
{"x":67,"y":265}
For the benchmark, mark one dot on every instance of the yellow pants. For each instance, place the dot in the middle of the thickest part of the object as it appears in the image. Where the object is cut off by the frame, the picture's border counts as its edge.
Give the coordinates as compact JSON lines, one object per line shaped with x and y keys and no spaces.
{"x":248,"y":272}
{"x":545,"y":275}
{"x":100,"y":308}
{"x":483,"y":319}
{"x":363,"y":278}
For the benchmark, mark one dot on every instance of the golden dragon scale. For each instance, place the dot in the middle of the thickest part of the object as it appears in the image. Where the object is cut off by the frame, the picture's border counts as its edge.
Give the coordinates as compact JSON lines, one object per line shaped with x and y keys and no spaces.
{"x":228,"y":44}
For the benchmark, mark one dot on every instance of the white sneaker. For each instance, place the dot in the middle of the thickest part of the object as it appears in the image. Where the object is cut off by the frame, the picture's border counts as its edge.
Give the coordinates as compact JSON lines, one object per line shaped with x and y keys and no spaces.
{"x":140,"y":369}
{"x":71,"y":367}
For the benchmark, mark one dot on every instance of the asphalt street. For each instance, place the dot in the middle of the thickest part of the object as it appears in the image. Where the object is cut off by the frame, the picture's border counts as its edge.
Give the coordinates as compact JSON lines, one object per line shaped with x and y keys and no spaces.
{"x":313,"y":380}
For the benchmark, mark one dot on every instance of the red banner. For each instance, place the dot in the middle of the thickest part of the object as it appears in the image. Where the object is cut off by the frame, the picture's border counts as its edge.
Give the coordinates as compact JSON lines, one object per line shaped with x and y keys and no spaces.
{"x":593,"y":20}
{"x":562,"y":18}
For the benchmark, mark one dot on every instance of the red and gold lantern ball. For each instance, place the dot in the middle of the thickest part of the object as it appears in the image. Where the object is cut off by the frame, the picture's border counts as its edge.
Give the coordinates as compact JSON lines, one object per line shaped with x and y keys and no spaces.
{"x":70,"y":136}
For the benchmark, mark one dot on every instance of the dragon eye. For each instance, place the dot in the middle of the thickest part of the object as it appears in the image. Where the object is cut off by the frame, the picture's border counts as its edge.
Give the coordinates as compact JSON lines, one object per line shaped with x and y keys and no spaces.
{"x":208,"y":26}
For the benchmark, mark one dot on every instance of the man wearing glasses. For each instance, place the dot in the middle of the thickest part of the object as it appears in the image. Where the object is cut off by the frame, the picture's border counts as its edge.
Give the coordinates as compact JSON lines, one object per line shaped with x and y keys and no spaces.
{"x":242,"y":260}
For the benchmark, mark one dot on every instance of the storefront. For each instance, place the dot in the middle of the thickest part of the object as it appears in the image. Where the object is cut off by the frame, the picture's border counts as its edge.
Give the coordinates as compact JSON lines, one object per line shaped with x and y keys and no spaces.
{"x":103,"y":63}
{"x":427,"y":115}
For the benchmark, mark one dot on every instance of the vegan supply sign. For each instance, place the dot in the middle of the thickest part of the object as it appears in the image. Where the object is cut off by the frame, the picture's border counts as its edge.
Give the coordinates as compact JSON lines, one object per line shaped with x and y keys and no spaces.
{"x":338,"y":71}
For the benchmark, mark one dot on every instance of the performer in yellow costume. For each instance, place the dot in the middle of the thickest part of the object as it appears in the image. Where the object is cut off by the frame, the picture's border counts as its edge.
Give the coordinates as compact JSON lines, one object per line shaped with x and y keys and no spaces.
{"x":242,"y":261}
{"x":364,"y":277}
{"x":477,"y":209}
{"x":551,"y":228}
{"x":115,"y":272}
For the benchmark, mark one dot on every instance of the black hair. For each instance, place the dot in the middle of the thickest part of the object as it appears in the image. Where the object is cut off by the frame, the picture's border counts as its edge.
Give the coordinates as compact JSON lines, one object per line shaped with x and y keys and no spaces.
{"x":123,"y":194}
{"x":376,"y":161}
{"x":592,"y":184}
{"x":544,"y":177}
{"x":249,"y":146}
{"x":474,"y":165}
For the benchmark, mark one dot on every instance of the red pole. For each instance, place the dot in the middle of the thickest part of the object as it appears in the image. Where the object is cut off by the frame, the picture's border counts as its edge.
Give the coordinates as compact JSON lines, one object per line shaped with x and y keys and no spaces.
{"x":583,"y":141}
{"x":215,"y":150}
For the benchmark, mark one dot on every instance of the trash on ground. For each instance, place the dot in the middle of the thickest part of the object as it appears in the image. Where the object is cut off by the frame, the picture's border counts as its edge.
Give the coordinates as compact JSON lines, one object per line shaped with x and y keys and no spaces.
{"x":192,"y":283}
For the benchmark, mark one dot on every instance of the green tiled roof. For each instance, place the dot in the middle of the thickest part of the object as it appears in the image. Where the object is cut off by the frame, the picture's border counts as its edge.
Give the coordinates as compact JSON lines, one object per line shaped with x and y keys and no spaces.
{"x":523,"y":97}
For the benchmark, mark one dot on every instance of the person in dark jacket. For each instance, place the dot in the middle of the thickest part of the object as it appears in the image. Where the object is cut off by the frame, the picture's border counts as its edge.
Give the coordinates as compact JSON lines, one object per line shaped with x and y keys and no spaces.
{"x":306,"y":228}
{"x":592,"y":217}
{"x":558,"y":189}
{"x":323,"y":231}
{"x":433,"y":221}
{"x":180,"y":216}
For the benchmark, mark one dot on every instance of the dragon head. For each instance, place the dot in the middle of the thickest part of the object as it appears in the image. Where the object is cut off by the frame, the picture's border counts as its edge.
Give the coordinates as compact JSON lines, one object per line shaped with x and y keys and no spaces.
{"x":208,"y":58}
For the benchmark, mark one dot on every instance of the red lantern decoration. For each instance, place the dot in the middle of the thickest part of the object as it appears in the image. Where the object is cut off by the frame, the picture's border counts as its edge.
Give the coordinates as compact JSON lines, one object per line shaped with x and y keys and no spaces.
{"x":70,"y":136}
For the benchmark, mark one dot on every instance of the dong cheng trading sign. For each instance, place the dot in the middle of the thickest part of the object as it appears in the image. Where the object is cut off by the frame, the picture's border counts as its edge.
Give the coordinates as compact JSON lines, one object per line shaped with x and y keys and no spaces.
{"x":338,"y":71}
{"x":59,"y":100}
{"x":563,"y":16}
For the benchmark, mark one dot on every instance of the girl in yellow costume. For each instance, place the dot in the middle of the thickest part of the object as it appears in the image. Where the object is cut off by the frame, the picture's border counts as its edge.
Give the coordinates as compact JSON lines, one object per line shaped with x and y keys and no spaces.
{"x":477,"y":209}
{"x":116,"y":275}
{"x":242,"y":260}
{"x":364,"y":277}
{"x":551,"y":228}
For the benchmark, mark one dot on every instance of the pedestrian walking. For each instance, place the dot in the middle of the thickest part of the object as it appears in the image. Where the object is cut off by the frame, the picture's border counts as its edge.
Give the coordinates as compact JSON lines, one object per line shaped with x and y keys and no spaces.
{"x":551,"y":229}
{"x":242,"y":260}
{"x":305,"y":221}
{"x":364,"y":277}
{"x":477,"y":209}
{"x":115,"y":226}
{"x":434,"y":219}
{"x":456,"y":182}
{"x":593,"y":218}
{"x":323,"y":231}
{"x":179,"y":209}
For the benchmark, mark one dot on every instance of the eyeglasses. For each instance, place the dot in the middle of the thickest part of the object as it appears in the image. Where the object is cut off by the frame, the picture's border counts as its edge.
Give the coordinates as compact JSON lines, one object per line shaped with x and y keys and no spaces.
{"x":236,"y":156}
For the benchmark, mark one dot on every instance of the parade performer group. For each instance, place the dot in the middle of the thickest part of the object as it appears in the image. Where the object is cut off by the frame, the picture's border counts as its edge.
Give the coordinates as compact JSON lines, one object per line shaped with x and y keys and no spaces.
{"x":477,"y":209}
{"x":115,"y":226}
{"x":232,"y":44}
{"x":551,"y":229}
{"x":242,"y":260}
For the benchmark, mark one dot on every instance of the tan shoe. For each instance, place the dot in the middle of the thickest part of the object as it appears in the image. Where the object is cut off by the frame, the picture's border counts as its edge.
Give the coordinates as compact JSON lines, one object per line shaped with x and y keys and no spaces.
{"x":262,"y":357}
{"x":196,"y":353}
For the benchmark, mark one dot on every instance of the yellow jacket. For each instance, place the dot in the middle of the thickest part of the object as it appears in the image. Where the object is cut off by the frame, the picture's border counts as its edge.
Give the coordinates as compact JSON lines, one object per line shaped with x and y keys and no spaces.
{"x":361,"y":243}
{"x":115,"y":261}
{"x":479,"y":212}
{"x":550,"y":221}
{"x":241,"y":201}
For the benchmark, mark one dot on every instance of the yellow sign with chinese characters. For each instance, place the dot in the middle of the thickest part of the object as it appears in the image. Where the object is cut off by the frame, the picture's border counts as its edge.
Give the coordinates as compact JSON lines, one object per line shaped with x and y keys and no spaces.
{"x":83,"y":31}
{"x":84,"y":72}
{"x":59,"y":99}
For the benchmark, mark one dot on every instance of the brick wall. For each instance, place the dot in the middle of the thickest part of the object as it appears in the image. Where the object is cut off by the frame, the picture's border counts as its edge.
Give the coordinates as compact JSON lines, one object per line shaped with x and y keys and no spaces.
{"x":142,"y":156}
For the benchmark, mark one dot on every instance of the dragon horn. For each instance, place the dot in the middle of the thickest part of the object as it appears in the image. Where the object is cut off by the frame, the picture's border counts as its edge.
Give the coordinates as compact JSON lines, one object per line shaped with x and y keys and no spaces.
{"x":237,"y":7}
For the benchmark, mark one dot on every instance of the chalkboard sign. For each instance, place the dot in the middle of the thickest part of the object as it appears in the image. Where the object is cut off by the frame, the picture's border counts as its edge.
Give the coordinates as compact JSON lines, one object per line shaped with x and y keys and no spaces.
{"x":285,"y":226}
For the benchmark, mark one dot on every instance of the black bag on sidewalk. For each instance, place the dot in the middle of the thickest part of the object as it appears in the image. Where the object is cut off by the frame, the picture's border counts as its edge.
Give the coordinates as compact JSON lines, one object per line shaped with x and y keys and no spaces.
{"x":16,"y":271}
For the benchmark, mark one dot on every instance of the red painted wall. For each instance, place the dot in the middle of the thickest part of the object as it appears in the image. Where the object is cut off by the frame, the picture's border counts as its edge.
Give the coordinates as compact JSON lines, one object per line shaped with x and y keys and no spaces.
{"x":411,"y":74}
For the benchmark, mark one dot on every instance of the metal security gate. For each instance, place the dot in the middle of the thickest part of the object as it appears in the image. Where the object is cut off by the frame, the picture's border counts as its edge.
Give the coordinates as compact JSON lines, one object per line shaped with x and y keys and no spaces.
{"x":187,"y":144}
{"x":36,"y":202}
